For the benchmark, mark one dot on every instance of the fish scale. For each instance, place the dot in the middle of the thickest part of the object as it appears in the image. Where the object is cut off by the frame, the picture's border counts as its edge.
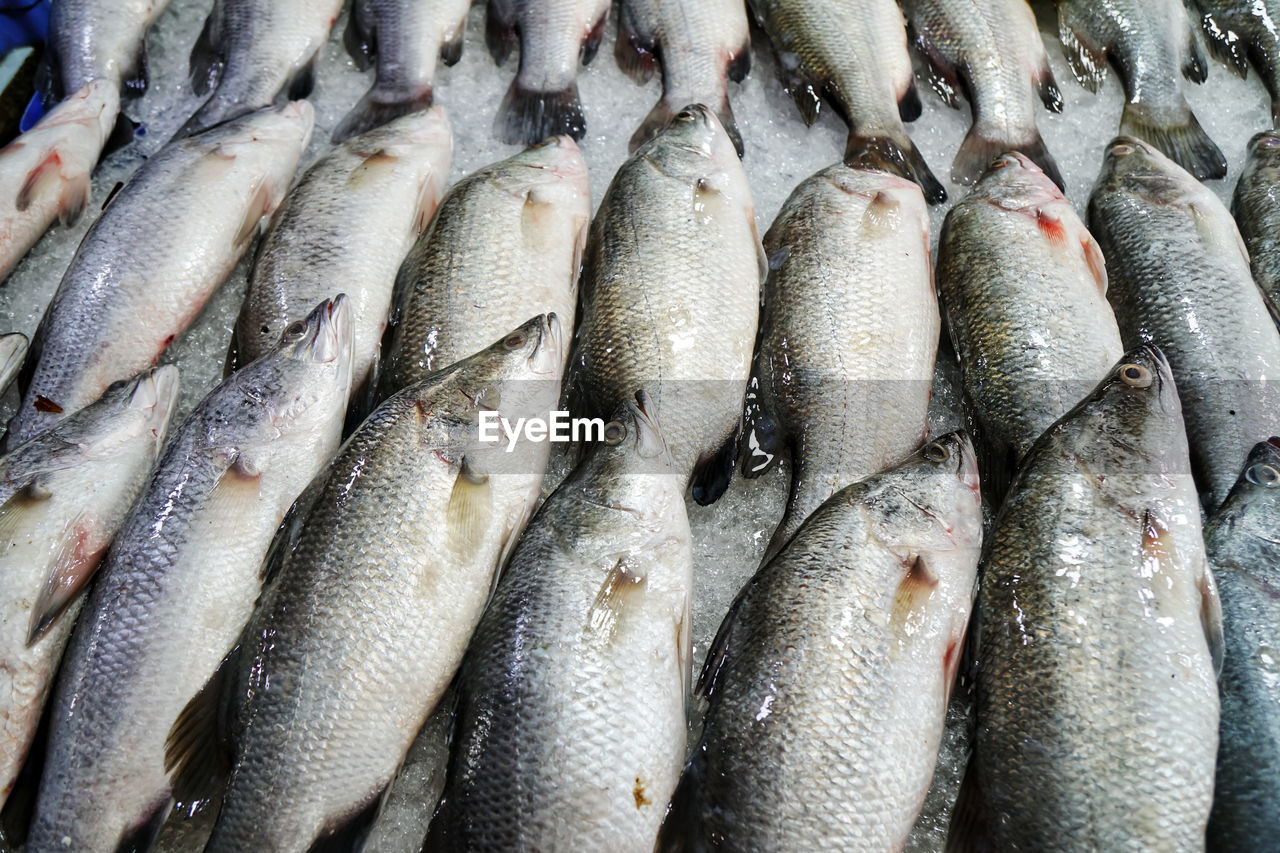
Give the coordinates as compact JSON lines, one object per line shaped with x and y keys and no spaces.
{"x":99,"y":39}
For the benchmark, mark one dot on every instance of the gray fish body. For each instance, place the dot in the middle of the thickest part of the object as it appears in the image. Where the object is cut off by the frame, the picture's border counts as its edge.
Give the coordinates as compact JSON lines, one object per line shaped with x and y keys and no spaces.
{"x":181,"y":580}
{"x":100,"y":39}
{"x":157,"y":253}
{"x":1098,"y":629}
{"x":848,"y":336}
{"x":1245,"y":557}
{"x":64,"y":494}
{"x":1179,"y":278}
{"x":1240,"y":32}
{"x":589,"y":627}
{"x":828,"y":681}
{"x":1024,"y":286}
{"x":356,"y":640}
{"x":345,"y":228}
{"x":505,"y":244}
{"x":1256,"y":207}
{"x":671,"y":289}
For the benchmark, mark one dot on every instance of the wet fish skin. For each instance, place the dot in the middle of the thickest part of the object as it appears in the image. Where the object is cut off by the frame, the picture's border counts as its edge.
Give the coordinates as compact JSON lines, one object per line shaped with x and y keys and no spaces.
{"x":701,"y":45}
{"x":406,"y":38}
{"x":1098,"y":636}
{"x":1179,"y":277}
{"x":1024,"y":286}
{"x":1243,"y":552}
{"x":589,"y":625}
{"x":181,"y":581}
{"x":1256,"y":206}
{"x":1150,"y":43}
{"x":853,"y":55}
{"x":98,"y":40}
{"x":254,"y":53}
{"x":814,"y":743}
{"x":13,"y":352}
{"x":65,"y":493}
{"x":849,"y":333}
{"x":554,"y":36}
{"x":670,"y":295}
{"x":990,"y":52}
{"x":124,"y":298}
{"x":506,"y":243}
{"x":44,"y":173}
{"x":1240,"y":32}
{"x":345,"y":228}
{"x":388,"y":578}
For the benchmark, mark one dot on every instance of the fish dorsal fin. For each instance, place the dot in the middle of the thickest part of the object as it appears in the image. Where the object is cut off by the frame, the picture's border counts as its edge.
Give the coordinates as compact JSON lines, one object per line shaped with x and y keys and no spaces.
{"x":622,"y":581}
{"x":469,"y":511}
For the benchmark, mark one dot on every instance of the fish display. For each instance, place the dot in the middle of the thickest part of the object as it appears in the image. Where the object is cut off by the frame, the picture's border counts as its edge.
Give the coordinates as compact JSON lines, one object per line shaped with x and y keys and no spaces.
{"x":1256,"y":206}
{"x":1240,"y":32}
{"x":13,"y":352}
{"x":98,"y":40}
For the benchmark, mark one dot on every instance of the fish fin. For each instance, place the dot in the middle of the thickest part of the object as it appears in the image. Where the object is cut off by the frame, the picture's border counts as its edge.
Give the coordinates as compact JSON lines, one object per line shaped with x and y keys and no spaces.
{"x":197,"y":757}
{"x":48,"y":79}
{"x":377,"y":167}
{"x":763,"y":438}
{"x":682,"y":827}
{"x":500,"y":29}
{"x":943,"y":77}
{"x":591,"y":44}
{"x":886,"y":155}
{"x":73,"y":190}
{"x":721,"y":648}
{"x":739,"y":64}
{"x":1088,"y":62}
{"x":803,"y":91}
{"x":527,"y":116}
{"x":1096,"y":261}
{"x":1194,"y":67}
{"x":1047,"y":88}
{"x":141,"y":837}
{"x":914,"y":590}
{"x":207,"y":60}
{"x":73,"y":565}
{"x":969,"y":831}
{"x":909,"y":106}
{"x":451,"y":47}
{"x":1225,"y":45}
{"x":1186,"y":144}
{"x":978,"y":151}
{"x":1211,"y":617}
{"x":348,"y":833}
{"x":620,"y":582}
{"x":261,"y":205}
{"x":135,"y":85}
{"x":360,"y":40}
{"x":302,"y":81}
{"x":684,"y":648}
{"x":470,"y":506}
{"x":712,"y":475}
{"x":1163,"y":563}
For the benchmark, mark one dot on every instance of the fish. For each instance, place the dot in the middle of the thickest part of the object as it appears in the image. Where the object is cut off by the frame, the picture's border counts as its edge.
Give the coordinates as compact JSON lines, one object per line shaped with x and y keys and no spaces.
{"x":990,"y":53}
{"x":45,"y":173}
{"x":1024,"y":287}
{"x":828,"y":680}
{"x":670,"y":296}
{"x":345,"y":228}
{"x":255,"y":53}
{"x":1098,"y":636}
{"x":844,"y":365}
{"x":506,"y":243}
{"x":1256,"y":207}
{"x":1150,"y":42}
{"x":407,"y":38}
{"x":372,"y":606}
{"x":1239,"y":32}
{"x":554,"y":36}
{"x":13,"y":352}
{"x":1245,"y":557}
{"x":97,"y":40}
{"x":697,"y":45}
{"x":852,"y":55}
{"x":63,"y":495}
{"x":180,"y":582}
{"x":154,"y":257}
{"x":589,"y":626}
{"x":1179,"y":277}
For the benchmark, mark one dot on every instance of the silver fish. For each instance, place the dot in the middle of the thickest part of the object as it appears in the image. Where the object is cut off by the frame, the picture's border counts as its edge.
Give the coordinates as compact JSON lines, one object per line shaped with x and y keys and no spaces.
{"x":153,"y":258}
{"x":13,"y":352}
{"x":828,"y":680}
{"x":844,"y":365}
{"x":407,"y":38}
{"x":1256,"y":207}
{"x":65,"y":494}
{"x":98,"y":40}
{"x":1242,"y":31}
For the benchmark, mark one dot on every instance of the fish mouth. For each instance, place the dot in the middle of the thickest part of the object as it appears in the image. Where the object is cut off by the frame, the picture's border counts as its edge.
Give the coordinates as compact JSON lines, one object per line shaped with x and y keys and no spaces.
{"x":330,"y":330}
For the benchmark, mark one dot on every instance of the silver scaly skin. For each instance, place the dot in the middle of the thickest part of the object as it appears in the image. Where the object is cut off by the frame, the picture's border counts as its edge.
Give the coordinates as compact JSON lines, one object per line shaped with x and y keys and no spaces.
{"x":1179,"y":278}
{"x":1256,"y":207}
{"x":1098,"y":631}
{"x":13,"y":352}
{"x":1240,"y":32}
{"x":64,"y":494}
{"x":98,"y":40}
{"x":181,"y":581}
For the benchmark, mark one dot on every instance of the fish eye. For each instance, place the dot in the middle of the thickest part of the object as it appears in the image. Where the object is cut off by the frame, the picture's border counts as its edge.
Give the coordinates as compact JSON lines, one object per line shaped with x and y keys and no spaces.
{"x":1122,"y":149}
{"x":515,"y":340}
{"x":1263,"y":475}
{"x":1135,"y":376}
{"x":937,"y":453}
{"x":294,"y":332}
{"x":614,"y":433}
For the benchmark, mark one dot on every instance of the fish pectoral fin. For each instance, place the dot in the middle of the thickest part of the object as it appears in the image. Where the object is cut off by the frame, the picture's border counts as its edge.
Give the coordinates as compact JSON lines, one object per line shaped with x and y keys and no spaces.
{"x":970,"y":828}
{"x":1097,"y":263}
{"x":914,"y":591}
{"x":469,"y":510}
{"x":50,"y":175}
{"x":1088,"y":61}
{"x":197,"y":756}
{"x":1211,"y":617}
{"x":621,"y":581}
{"x":261,"y":205}
{"x":1169,"y":582}
{"x":72,"y":566}
{"x":378,"y":167}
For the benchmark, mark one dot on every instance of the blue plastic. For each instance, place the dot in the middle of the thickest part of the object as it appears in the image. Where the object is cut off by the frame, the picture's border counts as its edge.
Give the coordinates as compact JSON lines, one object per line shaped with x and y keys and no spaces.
{"x":24,"y":22}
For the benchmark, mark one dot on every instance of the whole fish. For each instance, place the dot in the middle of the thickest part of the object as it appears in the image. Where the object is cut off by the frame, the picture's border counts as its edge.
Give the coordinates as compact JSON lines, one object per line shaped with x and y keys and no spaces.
{"x":98,"y":40}
{"x":154,"y":257}
{"x":181,"y":581}
{"x":345,"y":228}
{"x":1098,"y":633}
{"x":1244,"y":553}
{"x":254,"y":53}
{"x":698,"y":46}
{"x":990,"y":53}
{"x":1024,"y":286}
{"x":844,"y":365}
{"x":353,"y":646}
{"x":1179,"y":278}
{"x":671,"y":295}
{"x":45,"y":172}
{"x":1256,"y":207}
{"x":64,"y":494}
{"x":505,"y":244}
{"x":407,"y":38}
{"x":829,"y":678}
{"x":13,"y":352}
{"x":1242,"y":31}
{"x":1150,"y":43}
{"x":589,"y":625}
{"x":554,"y":36}
{"x":852,"y":54}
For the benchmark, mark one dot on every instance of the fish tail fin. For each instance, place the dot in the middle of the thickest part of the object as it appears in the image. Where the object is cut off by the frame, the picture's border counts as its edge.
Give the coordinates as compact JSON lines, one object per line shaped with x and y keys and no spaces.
{"x":528,"y":116}
{"x":1186,"y":144}
{"x":979,"y":150}
{"x":887,"y":155}
{"x":379,"y":106}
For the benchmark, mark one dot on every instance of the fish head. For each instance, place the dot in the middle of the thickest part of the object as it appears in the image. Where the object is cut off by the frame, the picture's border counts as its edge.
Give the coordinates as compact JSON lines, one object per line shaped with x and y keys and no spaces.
{"x":1136,"y":167}
{"x":694,"y":149}
{"x":96,"y":104}
{"x":1253,"y":507}
{"x":552,"y":172}
{"x":1264,"y":151}
{"x":1015,"y":182}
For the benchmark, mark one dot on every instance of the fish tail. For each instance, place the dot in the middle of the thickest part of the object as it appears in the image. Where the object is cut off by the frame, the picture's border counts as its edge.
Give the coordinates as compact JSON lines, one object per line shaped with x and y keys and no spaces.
{"x":979,"y":150}
{"x":528,"y":116}
{"x":1186,"y":144}
{"x":886,"y":155}
{"x":379,"y":106}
